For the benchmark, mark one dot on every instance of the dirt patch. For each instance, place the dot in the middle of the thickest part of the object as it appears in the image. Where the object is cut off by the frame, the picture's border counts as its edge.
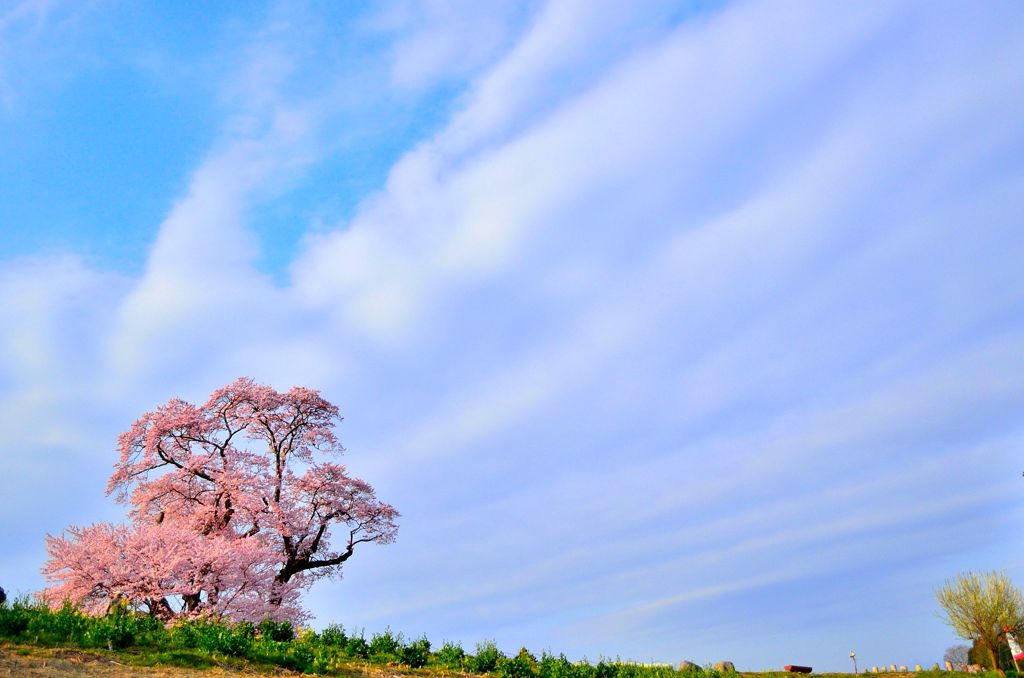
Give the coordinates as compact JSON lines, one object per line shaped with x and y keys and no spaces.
{"x":31,"y":660}
{"x":26,"y":660}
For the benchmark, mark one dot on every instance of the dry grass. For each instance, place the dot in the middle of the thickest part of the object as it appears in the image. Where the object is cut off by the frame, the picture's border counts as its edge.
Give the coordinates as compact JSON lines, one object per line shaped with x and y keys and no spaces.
{"x":27,"y":660}
{"x":32,"y":660}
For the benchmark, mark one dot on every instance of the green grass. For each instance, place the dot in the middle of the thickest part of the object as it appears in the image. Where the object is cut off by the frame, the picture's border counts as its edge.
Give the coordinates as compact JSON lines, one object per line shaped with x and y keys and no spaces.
{"x":184,"y":658}
{"x":143,"y":641}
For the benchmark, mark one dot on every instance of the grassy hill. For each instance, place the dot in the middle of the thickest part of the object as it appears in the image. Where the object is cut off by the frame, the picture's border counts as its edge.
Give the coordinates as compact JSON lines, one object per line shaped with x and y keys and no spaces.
{"x":35,"y":640}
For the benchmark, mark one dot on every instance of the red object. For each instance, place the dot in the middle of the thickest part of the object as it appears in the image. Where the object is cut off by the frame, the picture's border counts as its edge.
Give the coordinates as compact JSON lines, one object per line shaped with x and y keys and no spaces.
{"x":792,"y":668}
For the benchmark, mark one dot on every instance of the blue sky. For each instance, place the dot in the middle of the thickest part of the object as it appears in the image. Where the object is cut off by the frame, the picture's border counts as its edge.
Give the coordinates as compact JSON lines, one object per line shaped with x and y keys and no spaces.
{"x":674,"y":330}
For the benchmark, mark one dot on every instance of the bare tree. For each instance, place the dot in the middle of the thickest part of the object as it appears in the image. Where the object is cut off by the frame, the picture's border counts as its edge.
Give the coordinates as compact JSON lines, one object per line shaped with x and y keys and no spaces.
{"x":957,"y":656}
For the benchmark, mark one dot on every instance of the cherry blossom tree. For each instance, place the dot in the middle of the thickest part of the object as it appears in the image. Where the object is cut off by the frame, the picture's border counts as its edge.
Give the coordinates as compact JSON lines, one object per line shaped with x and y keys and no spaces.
{"x":236,"y":508}
{"x":148,"y":566}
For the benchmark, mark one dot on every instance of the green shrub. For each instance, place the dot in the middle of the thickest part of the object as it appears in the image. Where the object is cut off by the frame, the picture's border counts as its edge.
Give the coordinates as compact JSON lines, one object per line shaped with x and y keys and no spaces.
{"x":236,"y":640}
{"x":555,"y":667}
{"x":119,"y":628}
{"x":604,"y":669}
{"x":64,"y":626}
{"x":278,"y":631}
{"x":214,"y":636}
{"x":357,"y":647}
{"x":287,"y":654}
{"x":334,"y":636}
{"x":451,"y":655}
{"x":114,"y":630}
{"x":583,"y":669}
{"x":386,"y":646}
{"x":184,"y":634}
{"x":417,"y":653}
{"x":193,"y":641}
{"x":523,"y":665}
{"x":325,"y":658}
{"x":299,"y":657}
{"x":15,"y":616}
{"x":636,"y":671}
{"x":487,"y":657}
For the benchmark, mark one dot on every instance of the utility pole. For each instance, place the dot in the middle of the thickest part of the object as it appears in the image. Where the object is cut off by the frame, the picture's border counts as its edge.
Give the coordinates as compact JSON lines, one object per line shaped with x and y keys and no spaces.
{"x":853,"y":656}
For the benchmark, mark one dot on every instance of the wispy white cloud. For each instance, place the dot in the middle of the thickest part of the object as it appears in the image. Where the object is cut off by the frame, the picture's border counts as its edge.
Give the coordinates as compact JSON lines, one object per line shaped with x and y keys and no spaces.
{"x":676,"y":310}
{"x":16,"y":22}
{"x":438,"y":41}
{"x":34,"y":32}
{"x":446,"y":216}
{"x":739,"y":296}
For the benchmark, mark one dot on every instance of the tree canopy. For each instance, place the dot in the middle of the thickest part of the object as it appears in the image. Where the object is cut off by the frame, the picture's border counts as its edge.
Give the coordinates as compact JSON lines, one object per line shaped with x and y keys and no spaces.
{"x":979,"y":606}
{"x":235,"y":509}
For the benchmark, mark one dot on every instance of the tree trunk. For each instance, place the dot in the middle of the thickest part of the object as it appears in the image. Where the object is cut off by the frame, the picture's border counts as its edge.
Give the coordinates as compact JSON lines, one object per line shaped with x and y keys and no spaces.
{"x":994,"y":655}
{"x":280,"y":580}
{"x":191,"y":601}
{"x":160,"y":608}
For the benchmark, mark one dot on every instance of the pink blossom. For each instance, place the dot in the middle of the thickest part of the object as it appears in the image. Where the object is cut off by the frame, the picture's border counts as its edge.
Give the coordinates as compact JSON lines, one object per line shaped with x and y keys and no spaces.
{"x":234,"y":512}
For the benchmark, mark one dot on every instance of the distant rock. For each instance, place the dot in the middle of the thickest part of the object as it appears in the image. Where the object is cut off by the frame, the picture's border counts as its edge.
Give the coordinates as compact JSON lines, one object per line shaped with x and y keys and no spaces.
{"x":725,"y":667}
{"x":3,"y":596}
{"x":687,"y":665}
{"x":974,"y":668}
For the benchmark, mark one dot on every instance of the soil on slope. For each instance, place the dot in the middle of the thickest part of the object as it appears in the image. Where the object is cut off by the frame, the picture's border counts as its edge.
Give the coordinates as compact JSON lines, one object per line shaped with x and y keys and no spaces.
{"x":31,"y":660}
{"x":25,"y":660}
